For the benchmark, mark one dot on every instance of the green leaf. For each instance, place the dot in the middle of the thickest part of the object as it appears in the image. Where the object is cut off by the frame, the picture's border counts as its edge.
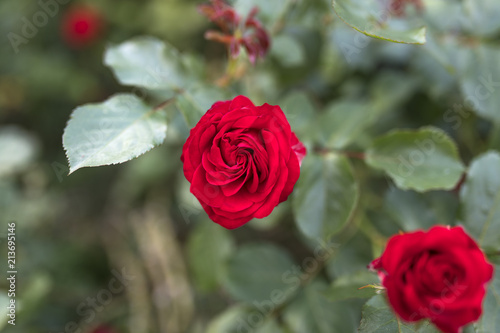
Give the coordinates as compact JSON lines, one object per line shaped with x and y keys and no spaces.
{"x":325,"y":196}
{"x":422,"y":160}
{"x":412,"y":211}
{"x":481,"y":81}
{"x":377,"y":317}
{"x":209,"y":246}
{"x":195,"y":101}
{"x":481,"y":17}
{"x":490,"y":320}
{"x":112,"y":132}
{"x":355,"y":14}
{"x":256,"y":271}
{"x":343,"y":122}
{"x":480,"y":200}
{"x":347,"y":286}
{"x":148,"y":63}
{"x":312,"y":312}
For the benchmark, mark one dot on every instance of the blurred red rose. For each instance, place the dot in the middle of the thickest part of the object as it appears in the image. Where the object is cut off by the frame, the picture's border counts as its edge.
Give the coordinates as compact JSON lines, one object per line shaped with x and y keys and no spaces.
{"x":440,"y":274}
{"x":249,"y":33}
{"x":242,"y":160}
{"x":397,"y":7}
{"x":81,"y":26}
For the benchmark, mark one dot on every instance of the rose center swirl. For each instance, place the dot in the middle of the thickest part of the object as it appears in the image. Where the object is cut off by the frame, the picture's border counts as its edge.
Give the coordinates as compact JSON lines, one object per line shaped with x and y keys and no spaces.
{"x":237,"y":158}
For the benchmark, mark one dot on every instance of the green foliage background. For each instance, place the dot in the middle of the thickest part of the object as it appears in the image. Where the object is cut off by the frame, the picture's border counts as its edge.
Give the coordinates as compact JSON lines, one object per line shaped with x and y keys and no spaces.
{"x":391,"y":128}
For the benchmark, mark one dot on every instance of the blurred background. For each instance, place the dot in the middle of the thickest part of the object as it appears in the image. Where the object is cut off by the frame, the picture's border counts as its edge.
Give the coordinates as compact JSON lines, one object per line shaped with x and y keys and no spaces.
{"x":126,"y":248}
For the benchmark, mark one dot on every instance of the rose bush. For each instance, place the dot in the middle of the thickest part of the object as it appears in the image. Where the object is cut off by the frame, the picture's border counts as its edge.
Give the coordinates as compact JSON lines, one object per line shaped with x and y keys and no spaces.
{"x":241,"y":160}
{"x":439,"y":274}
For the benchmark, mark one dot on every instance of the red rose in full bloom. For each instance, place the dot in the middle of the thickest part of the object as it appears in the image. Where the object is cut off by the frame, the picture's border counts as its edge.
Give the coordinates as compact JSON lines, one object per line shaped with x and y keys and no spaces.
{"x":440,"y":274}
{"x":241,"y":160}
{"x":81,"y":26}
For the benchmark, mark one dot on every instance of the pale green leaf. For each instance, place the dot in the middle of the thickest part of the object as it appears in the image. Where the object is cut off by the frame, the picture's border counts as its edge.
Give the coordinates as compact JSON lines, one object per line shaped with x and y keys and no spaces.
{"x":112,"y":132}
{"x":355,"y":14}
{"x":147,"y":63}
{"x":422,"y":160}
{"x":325,"y":196}
{"x":480,"y":200}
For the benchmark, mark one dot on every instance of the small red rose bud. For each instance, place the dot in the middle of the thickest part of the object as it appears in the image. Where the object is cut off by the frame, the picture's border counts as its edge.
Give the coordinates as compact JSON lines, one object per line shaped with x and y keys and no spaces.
{"x":81,"y":26}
